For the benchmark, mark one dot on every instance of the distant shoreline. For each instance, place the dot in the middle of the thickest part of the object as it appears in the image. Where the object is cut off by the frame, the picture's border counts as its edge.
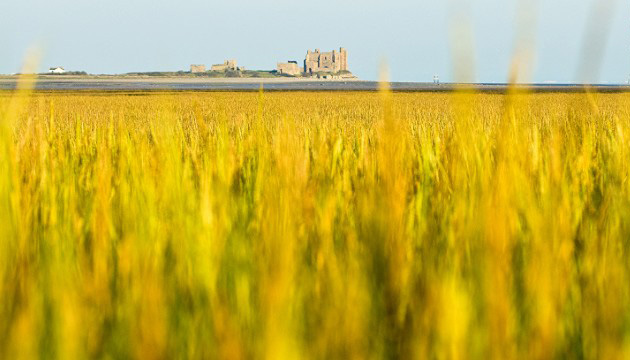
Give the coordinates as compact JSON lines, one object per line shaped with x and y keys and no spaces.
{"x":172,"y":79}
{"x":174,"y":83}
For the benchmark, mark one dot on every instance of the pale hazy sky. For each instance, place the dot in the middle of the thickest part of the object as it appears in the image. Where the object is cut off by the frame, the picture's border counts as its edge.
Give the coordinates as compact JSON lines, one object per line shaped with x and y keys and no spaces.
{"x":415,"y":37}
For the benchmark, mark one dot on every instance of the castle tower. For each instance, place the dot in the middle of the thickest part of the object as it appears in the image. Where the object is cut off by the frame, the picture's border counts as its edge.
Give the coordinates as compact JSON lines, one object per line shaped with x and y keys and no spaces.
{"x":311,"y":62}
{"x":343,"y":59}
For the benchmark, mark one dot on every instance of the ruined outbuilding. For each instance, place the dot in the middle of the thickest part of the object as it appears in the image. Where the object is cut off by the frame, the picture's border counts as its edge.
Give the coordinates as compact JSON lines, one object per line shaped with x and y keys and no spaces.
{"x":289,"y":68}
{"x":197,"y":69}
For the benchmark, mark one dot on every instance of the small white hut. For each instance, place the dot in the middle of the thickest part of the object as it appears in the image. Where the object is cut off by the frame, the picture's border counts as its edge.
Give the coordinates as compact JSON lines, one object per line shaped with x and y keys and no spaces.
{"x":57,"y":70}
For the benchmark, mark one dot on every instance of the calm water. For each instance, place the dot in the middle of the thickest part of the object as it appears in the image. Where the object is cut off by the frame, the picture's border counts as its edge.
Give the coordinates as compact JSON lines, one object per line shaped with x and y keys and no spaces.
{"x":113,"y":85}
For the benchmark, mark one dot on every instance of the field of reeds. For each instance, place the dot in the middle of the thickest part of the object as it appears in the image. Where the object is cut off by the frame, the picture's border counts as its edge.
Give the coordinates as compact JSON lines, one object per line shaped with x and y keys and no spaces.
{"x":314,"y":225}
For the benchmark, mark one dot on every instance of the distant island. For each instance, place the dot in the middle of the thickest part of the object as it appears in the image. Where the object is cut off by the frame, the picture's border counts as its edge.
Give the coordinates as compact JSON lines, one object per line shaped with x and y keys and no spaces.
{"x":316,"y":64}
{"x":331,"y":65}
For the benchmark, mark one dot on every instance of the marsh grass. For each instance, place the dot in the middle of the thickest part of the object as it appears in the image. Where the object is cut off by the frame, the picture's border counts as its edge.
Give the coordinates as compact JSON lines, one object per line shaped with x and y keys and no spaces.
{"x":314,"y":225}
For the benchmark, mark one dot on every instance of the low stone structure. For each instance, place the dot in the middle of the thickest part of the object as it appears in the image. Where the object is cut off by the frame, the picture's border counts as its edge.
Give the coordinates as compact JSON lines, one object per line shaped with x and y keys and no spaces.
{"x":332,"y":62}
{"x":227,"y":65}
{"x":197,"y":69}
{"x":289,"y":68}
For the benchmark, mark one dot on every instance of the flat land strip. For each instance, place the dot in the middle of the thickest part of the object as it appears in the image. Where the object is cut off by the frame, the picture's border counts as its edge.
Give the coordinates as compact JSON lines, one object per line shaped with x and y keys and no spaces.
{"x":157,"y":83}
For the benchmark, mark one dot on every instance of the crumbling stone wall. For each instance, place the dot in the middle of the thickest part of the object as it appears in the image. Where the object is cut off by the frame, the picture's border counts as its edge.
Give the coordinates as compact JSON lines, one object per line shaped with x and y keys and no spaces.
{"x":290,"y":68}
{"x":197,"y":68}
{"x":227,"y":65}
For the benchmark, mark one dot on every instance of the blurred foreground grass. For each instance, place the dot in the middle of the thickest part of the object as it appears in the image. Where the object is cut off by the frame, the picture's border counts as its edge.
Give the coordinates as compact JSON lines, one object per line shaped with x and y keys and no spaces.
{"x":314,"y":225}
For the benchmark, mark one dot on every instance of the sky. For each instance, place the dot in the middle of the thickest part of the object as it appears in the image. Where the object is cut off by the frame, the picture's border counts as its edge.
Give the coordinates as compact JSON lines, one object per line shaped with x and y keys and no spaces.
{"x":568,"y":40}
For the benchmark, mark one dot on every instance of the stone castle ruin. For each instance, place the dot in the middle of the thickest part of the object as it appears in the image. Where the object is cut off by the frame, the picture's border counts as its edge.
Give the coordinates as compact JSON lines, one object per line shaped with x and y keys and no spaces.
{"x":334,"y":61}
{"x":227,"y":65}
{"x":326,"y":65}
{"x":317,"y":62}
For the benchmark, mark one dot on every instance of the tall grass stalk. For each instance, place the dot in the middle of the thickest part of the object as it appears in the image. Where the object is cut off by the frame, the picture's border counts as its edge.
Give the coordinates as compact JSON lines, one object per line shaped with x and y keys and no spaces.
{"x":314,"y":225}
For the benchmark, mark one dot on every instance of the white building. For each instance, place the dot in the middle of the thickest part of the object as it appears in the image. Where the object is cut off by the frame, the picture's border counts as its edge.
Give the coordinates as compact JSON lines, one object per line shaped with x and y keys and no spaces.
{"x":57,"y":70}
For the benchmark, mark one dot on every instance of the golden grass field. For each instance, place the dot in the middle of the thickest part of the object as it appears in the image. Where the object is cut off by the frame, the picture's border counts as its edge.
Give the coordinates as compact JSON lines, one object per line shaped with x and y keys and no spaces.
{"x":314,"y":226}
